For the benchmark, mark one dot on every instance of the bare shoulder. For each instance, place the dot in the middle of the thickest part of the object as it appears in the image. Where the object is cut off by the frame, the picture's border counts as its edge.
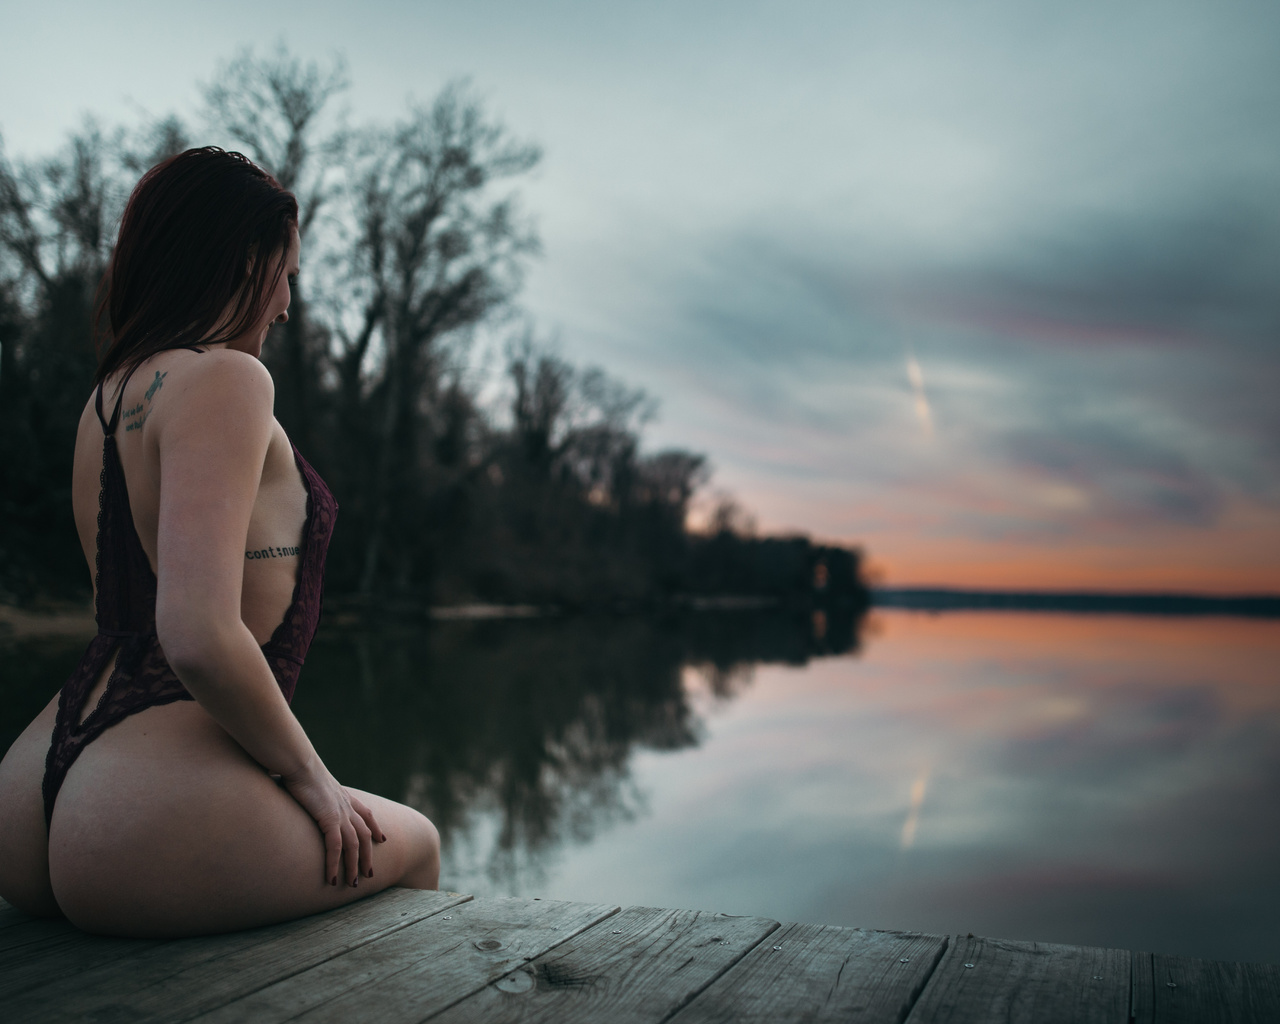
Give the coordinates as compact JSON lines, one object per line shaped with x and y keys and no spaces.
{"x":215,"y":373}
{"x":216,"y":391}
{"x":220,"y":373}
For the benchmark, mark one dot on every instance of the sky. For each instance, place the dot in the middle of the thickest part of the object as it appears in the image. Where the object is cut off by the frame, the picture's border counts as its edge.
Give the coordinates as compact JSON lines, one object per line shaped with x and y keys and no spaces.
{"x":989,"y":289}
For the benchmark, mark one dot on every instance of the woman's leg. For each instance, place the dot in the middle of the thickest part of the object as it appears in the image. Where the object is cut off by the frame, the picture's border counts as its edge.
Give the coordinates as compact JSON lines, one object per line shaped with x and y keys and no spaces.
{"x":165,"y":827}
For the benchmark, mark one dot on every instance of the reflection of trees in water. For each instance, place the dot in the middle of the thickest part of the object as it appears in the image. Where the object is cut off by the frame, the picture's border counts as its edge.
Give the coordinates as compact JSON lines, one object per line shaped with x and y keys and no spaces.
{"x":515,"y":737}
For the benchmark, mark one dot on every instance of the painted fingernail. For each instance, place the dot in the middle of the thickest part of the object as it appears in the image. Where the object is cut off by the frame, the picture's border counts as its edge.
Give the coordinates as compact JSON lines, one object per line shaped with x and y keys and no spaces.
{"x":371,"y":872}
{"x":355,"y":881}
{"x":333,"y":880}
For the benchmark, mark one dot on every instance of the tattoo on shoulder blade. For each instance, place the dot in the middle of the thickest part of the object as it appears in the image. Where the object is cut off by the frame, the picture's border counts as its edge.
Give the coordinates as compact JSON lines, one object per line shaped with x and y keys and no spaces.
{"x":135,"y":416}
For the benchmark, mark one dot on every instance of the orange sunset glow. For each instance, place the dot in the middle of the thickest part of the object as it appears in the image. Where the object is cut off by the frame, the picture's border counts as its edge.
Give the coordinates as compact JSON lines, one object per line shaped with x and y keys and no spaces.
{"x":1241,"y":557}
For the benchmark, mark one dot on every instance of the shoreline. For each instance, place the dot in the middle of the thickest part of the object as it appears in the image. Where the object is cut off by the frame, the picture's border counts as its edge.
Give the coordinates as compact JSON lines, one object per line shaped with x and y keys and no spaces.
{"x":74,"y":620}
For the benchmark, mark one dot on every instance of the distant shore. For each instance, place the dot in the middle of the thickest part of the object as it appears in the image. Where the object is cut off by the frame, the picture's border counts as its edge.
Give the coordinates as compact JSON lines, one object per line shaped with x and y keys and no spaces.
{"x":1084,"y":602}
{"x":58,"y":620}
{"x":76,"y":620}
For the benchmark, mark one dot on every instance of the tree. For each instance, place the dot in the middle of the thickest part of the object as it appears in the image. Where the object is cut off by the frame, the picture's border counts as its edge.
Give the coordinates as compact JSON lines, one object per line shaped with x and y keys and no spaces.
{"x":56,"y":225}
{"x":414,"y":231}
{"x":438,"y":249}
{"x":417,"y":243}
{"x":274,"y":108}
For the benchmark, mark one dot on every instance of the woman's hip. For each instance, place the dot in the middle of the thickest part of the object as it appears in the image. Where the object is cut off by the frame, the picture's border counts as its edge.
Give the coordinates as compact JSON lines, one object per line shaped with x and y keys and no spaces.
{"x":164,"y":826}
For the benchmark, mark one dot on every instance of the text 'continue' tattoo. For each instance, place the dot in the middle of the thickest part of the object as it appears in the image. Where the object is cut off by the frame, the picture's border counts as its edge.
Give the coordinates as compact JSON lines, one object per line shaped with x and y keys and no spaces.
{"x":280,"y":552}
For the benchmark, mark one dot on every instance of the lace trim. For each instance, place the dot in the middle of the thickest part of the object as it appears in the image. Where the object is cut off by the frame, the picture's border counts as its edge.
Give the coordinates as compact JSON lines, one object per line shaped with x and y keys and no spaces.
{"x":97,"y":540}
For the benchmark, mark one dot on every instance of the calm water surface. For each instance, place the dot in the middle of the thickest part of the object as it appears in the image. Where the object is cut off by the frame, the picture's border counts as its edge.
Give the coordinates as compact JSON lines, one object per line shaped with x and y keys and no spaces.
{"x":1111,"y":781}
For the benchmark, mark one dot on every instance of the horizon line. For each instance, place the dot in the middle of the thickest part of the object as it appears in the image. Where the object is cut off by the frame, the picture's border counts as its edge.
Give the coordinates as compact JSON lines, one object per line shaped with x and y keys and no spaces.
{"x":945,"y":598}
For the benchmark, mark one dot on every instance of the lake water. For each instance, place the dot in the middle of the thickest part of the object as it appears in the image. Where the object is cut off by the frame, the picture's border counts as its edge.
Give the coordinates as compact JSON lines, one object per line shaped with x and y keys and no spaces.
{"x":1106,"y":780}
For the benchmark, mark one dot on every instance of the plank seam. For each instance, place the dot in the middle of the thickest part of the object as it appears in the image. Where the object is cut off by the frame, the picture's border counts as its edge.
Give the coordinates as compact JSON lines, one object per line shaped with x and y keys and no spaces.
{"x":1133,"y":982}
{"x":527,"y":960}
{"x":917,"y":991}
{"x":1144,"y":1007}
{"x":399,"y":925}
{"x":719,"y":974}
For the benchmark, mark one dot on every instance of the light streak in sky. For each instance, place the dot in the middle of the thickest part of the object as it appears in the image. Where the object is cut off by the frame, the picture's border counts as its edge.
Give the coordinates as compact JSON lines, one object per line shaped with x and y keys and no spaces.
{"x":913,"y":813}
{"x":916,"y":376}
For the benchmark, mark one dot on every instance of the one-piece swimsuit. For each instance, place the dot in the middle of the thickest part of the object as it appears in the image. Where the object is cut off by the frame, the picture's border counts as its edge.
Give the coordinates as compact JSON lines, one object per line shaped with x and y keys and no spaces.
{"x":125,"y":608}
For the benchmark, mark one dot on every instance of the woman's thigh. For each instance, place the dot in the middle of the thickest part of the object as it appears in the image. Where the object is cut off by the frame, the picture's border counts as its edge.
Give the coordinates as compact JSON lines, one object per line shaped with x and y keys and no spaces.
{"x":165,"y":827}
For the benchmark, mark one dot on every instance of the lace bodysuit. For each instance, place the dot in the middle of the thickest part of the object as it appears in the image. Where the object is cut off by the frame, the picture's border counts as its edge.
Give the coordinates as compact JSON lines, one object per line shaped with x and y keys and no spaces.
{"x":126,"y":616}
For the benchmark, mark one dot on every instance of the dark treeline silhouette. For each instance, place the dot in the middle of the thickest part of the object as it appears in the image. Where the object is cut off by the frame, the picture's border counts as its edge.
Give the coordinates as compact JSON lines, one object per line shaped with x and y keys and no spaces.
{"x":452,"y":489}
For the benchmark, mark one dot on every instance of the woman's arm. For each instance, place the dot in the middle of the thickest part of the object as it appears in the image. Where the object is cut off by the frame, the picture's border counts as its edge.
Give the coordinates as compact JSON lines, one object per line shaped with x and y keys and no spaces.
{"x":213,"y":429}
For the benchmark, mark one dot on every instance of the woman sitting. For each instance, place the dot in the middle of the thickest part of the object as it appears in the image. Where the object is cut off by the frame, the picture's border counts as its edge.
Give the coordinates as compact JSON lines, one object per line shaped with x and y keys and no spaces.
{"x":168,"y":789}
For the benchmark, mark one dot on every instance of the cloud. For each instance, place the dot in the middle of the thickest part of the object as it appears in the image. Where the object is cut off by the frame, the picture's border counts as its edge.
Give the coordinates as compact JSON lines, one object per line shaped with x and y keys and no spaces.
{"x":1123,"y":277}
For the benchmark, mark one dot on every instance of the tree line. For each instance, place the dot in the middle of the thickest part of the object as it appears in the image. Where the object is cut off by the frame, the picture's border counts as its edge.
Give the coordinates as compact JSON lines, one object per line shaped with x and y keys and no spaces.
{"x":414,"y":244}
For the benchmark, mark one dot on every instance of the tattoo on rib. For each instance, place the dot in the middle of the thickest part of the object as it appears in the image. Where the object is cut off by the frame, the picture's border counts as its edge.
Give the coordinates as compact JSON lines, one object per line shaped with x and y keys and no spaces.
{"x":277,"y":552}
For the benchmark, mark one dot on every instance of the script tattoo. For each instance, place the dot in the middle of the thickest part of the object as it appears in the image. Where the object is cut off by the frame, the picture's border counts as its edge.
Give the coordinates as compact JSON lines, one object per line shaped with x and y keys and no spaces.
{"x":135,"y":417}
{"x":283,"y":551}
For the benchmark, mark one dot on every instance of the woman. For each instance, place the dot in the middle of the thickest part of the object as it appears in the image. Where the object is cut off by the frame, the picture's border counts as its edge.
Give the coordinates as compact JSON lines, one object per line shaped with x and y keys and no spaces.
{"x":168,"y":790}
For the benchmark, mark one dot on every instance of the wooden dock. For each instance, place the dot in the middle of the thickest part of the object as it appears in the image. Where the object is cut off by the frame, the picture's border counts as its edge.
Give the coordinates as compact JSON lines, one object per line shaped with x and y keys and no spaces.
{"x":415,"y":956}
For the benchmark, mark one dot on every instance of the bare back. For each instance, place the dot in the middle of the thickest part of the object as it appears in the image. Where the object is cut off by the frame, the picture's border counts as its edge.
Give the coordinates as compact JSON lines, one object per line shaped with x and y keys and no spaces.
{"x":280,"y":507}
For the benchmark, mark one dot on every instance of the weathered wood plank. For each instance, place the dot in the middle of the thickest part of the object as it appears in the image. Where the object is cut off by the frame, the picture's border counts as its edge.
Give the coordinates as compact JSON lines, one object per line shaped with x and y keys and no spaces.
{"x":420,"y":970}
{"x":33,"y":930}
{"x":635,"y":968}
{"x":41,"y":952}
{"x":815,"y":973}
{"x":1173,"y":989}
{"x":407,"y":956}
{"x":1035,"y":982}
{"x":173,"y":981}
{"x":10,"y":914}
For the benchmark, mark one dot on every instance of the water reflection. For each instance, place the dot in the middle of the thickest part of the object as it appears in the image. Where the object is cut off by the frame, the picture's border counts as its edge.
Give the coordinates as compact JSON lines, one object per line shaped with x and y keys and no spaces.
{"x":516,"y":736}
{"x":1099,"y":780}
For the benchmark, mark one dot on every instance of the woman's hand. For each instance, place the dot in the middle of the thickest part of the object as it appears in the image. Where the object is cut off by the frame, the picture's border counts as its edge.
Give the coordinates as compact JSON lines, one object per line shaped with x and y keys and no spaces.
{"x":347,"y":824}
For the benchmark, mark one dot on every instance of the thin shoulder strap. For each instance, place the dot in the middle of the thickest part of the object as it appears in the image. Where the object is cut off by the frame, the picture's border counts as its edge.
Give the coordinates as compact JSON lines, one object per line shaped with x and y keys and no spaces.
{"x":108,"y":428}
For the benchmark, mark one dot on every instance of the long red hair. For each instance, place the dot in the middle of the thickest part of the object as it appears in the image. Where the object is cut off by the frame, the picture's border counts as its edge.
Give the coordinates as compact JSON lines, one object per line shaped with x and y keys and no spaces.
{"x":188,"y":255}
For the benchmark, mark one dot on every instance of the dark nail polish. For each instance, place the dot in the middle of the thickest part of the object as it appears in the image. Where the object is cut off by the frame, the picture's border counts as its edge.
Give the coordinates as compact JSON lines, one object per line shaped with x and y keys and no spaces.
{"x":355,"y":881}
{"x":370,"y":873}
{"x":333,"y":880}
